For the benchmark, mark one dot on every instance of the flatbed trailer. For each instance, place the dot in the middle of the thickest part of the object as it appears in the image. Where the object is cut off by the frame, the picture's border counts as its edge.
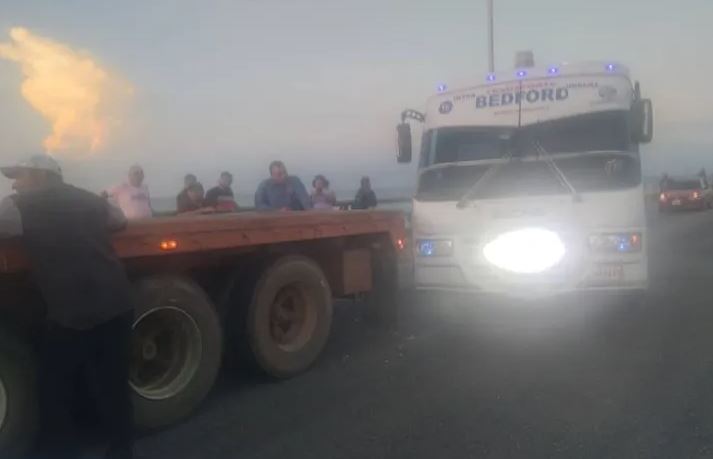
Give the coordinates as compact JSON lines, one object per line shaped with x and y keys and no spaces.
{"x":252,"y":289}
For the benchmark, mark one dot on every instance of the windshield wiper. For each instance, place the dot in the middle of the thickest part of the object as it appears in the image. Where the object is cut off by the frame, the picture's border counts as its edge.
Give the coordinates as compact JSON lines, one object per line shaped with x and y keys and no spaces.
{"x":487,"y":175}
{"x":557,"y":171}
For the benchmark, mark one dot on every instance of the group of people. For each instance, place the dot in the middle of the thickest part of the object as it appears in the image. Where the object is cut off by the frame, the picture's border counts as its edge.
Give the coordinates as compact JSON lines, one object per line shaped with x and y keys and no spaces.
{"x":89,"y":307}
{"x":280,"y":191}
{"x":194,"y":199}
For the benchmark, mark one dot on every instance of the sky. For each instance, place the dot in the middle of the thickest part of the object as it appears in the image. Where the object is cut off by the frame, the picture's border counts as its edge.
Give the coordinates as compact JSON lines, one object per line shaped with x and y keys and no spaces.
{"x":232,"y":85}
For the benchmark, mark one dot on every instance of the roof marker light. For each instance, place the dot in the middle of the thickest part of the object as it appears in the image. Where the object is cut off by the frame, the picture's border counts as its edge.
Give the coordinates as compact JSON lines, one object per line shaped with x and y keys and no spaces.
{"x":490,"y":77}
{"x":441,"y":87}
{"x":610,"y":67}
{"x":521,"y":73}
{"x":553,"y":70}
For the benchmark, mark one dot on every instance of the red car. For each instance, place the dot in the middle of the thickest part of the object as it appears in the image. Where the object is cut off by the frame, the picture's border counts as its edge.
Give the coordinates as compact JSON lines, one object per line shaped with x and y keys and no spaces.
{"x":694,"y":193}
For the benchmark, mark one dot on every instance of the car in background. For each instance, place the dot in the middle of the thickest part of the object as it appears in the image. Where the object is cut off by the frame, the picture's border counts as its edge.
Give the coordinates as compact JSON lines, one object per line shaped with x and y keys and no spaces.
{"x":686,"y":193}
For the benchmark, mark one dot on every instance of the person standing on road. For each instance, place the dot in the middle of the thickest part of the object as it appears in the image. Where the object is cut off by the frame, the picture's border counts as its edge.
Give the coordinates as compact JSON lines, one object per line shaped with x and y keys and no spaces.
{"x":65,"y":233}
{"x":365,"y":197}
{"x":221,"y":197}
{"x":183,"y":201}
{"x":281,"y":191}
{"x":322,"y":197}
{"x":132,"y":197}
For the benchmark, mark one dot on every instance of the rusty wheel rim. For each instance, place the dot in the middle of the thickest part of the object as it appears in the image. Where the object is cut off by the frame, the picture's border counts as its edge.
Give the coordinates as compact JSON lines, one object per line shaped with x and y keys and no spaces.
{"x":292,"y":318}
{"x":166,"y":348}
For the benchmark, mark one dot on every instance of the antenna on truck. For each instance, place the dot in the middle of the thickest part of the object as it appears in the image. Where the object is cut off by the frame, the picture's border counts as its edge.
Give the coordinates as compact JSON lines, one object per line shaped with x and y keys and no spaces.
{"x":491,"y":44}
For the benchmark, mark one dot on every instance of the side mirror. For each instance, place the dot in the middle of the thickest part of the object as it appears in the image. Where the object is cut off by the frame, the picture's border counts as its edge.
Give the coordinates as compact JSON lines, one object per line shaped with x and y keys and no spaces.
{"x":642,"y":121}
{"x":404,"y":143}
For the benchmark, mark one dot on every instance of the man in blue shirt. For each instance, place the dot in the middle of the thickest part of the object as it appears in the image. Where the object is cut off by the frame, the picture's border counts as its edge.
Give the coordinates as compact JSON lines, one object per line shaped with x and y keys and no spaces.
{"x":282,"y":191}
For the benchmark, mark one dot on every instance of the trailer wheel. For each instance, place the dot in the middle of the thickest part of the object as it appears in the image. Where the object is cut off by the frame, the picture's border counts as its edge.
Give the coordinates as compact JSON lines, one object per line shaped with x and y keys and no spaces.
{"x":18,"y":410}
{"x":289,"y":316}
{"x":176,"y":350}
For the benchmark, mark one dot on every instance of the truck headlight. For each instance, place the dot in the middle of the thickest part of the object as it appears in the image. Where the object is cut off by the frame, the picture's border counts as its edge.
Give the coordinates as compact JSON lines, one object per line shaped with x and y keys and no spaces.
{"x":525,"y":251}
{"x":615,"y":242}
{"x":434,"y":247}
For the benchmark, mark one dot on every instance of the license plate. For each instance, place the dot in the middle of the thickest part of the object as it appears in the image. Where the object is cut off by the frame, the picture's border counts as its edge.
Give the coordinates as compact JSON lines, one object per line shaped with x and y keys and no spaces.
{"x":676,"y":202}
{"x":610,"y":272}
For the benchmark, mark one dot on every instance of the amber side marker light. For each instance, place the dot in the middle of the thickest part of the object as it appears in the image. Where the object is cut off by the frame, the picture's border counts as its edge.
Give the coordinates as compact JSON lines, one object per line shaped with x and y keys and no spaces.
{"x":169,"y":244}
{"x":400,"y":244}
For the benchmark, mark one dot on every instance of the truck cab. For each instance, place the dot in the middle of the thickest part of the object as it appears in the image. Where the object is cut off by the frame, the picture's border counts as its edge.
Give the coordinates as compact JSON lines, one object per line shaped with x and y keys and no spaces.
{"x":529,"y":182}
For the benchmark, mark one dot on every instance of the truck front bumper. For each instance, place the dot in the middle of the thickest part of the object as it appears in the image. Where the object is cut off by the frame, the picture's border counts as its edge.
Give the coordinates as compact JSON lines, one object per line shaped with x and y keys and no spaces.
{"x":604,"y":275}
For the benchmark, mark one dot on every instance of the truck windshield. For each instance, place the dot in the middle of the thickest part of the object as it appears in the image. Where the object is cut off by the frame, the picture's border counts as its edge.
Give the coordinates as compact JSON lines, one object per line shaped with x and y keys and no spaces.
{"x":593,"y":151}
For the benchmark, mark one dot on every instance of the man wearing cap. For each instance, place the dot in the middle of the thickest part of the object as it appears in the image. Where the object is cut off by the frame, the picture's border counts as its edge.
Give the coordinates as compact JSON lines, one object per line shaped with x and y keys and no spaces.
{"x":65,"y":232}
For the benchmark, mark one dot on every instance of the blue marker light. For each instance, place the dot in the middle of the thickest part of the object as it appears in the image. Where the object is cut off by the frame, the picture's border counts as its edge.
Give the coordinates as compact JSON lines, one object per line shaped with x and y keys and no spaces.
{"x":441,"y":87}
{"x":623,"y":245}
{"x":490,"y":77}
{"x":521,"y":74}
{"x":611,"y":67}
{"x":553,"y":71}
{"x":426,"y":248}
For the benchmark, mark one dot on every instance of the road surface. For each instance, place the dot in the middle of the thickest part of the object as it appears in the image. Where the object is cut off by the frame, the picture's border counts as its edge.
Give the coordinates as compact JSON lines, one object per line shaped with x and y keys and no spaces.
{"x":461,"y":380}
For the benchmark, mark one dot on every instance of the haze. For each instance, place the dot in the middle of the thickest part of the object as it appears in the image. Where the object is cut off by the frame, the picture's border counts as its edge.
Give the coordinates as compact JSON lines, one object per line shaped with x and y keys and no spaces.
{"x":320,"y":84}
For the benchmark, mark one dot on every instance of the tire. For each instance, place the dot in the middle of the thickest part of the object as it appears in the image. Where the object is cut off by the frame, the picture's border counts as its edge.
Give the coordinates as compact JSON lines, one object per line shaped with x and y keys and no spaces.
{"x":289,"y":317}
{"x":176,"y":348}
{"x":18,"y":406}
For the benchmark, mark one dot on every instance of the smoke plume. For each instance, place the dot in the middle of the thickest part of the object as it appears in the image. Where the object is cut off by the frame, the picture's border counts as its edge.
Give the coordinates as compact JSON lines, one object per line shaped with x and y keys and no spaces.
{"x":79,"y":98}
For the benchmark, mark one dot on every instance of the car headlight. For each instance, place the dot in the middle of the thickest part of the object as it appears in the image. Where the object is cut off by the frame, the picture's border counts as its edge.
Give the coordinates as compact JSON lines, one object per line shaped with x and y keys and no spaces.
{"x":525,"y":251}
{"x":615,"y":242}
{"x":434,"y":247}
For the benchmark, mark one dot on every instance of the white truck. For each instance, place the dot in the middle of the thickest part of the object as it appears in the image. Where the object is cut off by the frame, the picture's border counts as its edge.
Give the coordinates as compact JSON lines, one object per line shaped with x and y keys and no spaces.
{"x":529,"y":182}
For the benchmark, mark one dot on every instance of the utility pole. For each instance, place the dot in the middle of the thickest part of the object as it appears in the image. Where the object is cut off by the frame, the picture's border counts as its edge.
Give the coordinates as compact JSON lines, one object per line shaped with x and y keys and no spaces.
{"x":491,"y":44}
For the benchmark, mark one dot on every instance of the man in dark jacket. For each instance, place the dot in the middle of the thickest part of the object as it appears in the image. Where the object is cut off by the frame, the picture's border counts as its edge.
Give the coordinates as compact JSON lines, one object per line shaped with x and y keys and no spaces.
{"x":221,"y":197}
{"x":183,"y":201}
{"x":65,"y":232}
{"x":365,"y":197}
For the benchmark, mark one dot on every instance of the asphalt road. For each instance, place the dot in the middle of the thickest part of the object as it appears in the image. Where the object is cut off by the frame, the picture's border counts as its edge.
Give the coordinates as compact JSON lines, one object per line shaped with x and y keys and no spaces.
{"x":461,"y":380}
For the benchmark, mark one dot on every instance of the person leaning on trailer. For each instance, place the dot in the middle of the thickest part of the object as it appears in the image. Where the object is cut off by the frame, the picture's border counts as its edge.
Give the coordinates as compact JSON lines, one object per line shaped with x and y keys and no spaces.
{"x":195,"y":201}
{"x":132,"y":196}
{"x":182,"y":199}
{"x":322,"y":197}
{"x":365,"y":197}
{"x":65,"y":232}
{"x":281,"y":191}
{"x":221,"y":197}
